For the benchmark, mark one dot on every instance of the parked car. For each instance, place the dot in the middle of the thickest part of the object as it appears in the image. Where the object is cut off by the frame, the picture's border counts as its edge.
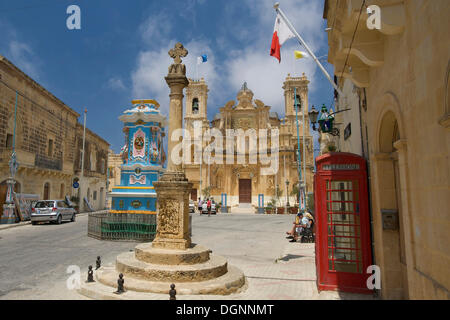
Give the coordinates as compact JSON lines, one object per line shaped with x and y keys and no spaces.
{"x":191,"y":206}
{"x":52,"y":211}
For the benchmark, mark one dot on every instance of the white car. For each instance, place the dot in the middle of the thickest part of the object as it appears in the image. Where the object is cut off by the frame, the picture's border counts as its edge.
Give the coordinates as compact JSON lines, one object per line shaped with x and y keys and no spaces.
{"x":191,"y":206}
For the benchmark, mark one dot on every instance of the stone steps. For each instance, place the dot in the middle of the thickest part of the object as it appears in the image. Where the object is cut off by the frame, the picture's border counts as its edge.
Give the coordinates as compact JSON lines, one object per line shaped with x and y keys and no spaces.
{"x":194,"y":255}
{"x":243,"y":209}
{"x":127,"y":264}
{"x":233,"y":281}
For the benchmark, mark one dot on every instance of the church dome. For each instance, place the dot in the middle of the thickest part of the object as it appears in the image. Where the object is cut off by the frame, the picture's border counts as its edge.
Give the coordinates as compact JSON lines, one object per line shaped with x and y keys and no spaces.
{"x":245,"y":95}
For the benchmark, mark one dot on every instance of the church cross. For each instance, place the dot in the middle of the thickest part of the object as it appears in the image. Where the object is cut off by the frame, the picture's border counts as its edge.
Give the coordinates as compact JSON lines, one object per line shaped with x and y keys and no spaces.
{"x":177,"y":52}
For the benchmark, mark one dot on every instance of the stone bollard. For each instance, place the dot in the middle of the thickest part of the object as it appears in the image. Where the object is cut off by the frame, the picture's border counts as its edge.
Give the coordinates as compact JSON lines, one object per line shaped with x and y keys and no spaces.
{"x":120,"y":282}
{"x":90,"y":277}
{"x":172,"y":292}
{"x":98,"y":263}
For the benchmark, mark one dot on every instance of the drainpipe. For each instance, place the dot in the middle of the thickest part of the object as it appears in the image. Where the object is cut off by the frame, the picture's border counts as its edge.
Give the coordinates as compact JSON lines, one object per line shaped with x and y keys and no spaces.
{"x":369,"y":178}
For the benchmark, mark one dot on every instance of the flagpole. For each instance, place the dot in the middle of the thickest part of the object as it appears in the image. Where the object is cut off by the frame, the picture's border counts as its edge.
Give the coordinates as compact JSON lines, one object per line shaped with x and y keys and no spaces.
{"x":303,"y":43}
{"x":299,"y":160}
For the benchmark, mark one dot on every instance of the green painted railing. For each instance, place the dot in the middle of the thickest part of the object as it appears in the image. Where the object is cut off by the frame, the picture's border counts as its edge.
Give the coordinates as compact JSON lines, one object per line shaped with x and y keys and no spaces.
{"x":122,"y":226}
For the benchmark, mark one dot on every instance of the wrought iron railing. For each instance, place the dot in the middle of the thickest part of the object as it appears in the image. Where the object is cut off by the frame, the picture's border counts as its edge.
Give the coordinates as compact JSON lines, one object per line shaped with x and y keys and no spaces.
{"x":121,"y":226}
{"x":47,"y":163}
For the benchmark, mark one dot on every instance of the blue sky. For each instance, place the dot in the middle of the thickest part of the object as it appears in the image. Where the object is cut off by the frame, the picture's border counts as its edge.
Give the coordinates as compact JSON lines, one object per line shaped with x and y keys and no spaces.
{"x":120,"y":53}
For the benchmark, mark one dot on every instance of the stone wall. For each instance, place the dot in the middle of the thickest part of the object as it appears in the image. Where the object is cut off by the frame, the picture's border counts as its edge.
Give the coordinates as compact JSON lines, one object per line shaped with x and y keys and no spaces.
{"x":406,"y":76}
{"x":46,"y":136}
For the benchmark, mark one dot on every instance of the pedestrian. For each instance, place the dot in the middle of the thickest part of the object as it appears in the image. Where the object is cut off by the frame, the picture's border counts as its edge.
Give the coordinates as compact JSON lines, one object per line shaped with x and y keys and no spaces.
{"x":208,"y":206}
{"x":200,"y":205}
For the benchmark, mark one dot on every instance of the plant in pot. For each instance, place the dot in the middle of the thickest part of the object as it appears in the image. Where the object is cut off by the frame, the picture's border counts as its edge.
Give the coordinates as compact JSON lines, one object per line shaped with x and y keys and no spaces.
{"x":277,"y":196}
{"x":270,"y":206}
{"x":294,"y":193}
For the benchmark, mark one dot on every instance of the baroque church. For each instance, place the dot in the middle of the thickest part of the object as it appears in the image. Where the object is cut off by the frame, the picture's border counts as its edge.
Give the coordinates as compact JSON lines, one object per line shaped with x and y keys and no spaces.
{"x":242,"y":184}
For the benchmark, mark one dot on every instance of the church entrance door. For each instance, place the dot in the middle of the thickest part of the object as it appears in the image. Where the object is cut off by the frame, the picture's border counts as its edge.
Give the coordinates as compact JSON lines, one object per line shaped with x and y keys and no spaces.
{"x":245,"y":190}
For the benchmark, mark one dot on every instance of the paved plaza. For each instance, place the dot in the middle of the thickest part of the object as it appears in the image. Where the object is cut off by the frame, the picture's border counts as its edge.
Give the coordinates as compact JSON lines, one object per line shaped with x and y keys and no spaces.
{"x":35,"y":258}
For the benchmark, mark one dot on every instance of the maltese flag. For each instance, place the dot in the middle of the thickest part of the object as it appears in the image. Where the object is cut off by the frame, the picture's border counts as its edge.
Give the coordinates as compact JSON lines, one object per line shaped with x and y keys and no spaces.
{"x":281,"y":33}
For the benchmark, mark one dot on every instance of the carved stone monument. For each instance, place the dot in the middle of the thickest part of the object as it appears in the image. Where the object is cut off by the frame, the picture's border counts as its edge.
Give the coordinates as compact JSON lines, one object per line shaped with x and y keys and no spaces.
{"x":171,"y":258}
{"x":173,"y":188}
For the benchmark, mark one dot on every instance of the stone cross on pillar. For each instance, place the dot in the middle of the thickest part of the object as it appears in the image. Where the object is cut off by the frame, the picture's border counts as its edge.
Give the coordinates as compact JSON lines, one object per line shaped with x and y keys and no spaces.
{"x":177,"y":81}
{"x":173,"y":189}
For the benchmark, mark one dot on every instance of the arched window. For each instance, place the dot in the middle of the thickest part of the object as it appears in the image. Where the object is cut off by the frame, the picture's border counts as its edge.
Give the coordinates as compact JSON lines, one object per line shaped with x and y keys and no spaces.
{"x":298,"y":101}
{"x":195,"y":106}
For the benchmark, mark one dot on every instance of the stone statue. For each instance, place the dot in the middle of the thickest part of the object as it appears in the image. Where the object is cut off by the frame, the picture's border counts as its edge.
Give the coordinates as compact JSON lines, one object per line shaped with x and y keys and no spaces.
{"x":120,"y":282}
{"x":90,"y":275}
{"x":177,"y":67}
{"x":327,"y":143}
{"x":172,"y":292}
{"x":98,"y":263}
{"x":13,"y":164}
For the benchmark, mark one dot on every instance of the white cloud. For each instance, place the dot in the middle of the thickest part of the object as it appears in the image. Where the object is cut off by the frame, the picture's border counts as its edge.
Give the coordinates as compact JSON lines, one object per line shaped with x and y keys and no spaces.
{"x":250,"y":62}
{"x":152,"y":67}
{"x":116,"y":84}
{"x":23,"y":56}
{"x":263,"y":73}
{"x":17,"y":51}
{"x":155,"y":28}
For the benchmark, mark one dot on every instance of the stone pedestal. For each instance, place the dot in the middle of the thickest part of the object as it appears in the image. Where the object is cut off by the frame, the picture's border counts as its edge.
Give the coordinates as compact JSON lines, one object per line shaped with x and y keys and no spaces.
{"x":173,"y":190}
{"x":171,"y":258}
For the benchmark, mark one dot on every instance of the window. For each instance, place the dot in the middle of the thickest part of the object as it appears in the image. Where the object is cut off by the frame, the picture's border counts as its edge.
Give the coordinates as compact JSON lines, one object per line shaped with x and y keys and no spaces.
{"x":50,"y":147}
{"x":195,"y":106}
{"x":298,"y":101}
{"x":9,"y":141}
{"x":95,"y":195}
{"x":102,"y":166}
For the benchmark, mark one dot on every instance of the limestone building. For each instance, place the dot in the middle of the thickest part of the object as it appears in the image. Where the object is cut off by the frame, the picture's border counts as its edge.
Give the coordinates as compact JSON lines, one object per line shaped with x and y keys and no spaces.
{"x":47,"y":141}
{"x":396,"y":83}
{"x":93,"y":183}
{"x":239,"y":177}
{"x":114,"y":163}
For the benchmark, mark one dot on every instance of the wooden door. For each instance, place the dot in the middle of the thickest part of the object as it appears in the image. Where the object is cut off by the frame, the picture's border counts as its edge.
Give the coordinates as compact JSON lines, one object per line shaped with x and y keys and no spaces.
{"x":245,"y":190}
{"x":194,"y":194}
{"x":3,"y":190}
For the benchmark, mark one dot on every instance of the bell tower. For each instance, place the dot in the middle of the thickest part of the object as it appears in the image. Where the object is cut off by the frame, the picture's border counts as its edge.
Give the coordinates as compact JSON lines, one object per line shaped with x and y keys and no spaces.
{"x":290,"y":95}
{"x":196,"y":103}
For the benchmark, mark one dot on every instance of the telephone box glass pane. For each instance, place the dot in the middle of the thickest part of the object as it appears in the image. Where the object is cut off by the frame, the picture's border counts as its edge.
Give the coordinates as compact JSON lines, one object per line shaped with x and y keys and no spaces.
{"x":344,"y":243}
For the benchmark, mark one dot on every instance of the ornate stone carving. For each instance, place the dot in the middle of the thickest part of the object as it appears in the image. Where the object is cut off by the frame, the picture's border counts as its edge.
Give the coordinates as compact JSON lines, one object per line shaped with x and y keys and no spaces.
{"x":168,"y":219}
{"x":176,"y":53}
{"x":243,"y":123}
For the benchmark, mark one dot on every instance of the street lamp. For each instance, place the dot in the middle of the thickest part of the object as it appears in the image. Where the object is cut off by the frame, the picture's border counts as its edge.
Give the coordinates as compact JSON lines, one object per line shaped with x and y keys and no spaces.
{"x":326,"y":120}
{"x":287,"y":196}
{"x":313,"y":115}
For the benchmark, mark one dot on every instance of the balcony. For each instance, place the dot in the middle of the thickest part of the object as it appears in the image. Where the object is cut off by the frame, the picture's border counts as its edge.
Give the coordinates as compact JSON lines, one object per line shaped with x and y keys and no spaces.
{"x":47,"y":163}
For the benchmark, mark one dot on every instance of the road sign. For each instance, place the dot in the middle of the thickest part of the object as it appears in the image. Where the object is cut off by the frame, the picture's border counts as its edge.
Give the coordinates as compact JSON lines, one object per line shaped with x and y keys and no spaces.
{"x":76,"y":185}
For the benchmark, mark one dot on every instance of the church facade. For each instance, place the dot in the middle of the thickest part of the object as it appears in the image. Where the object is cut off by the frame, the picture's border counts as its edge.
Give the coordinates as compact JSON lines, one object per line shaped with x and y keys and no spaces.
{"x":252,"y":171}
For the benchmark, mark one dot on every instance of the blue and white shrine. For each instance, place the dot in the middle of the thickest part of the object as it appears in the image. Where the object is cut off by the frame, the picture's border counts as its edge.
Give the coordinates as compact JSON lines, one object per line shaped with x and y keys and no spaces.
{"x":143,"y":159}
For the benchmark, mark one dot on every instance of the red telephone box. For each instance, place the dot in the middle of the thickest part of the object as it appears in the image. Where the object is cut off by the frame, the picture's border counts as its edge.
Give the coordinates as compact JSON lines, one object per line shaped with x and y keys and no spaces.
{"x":343,"y":244}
